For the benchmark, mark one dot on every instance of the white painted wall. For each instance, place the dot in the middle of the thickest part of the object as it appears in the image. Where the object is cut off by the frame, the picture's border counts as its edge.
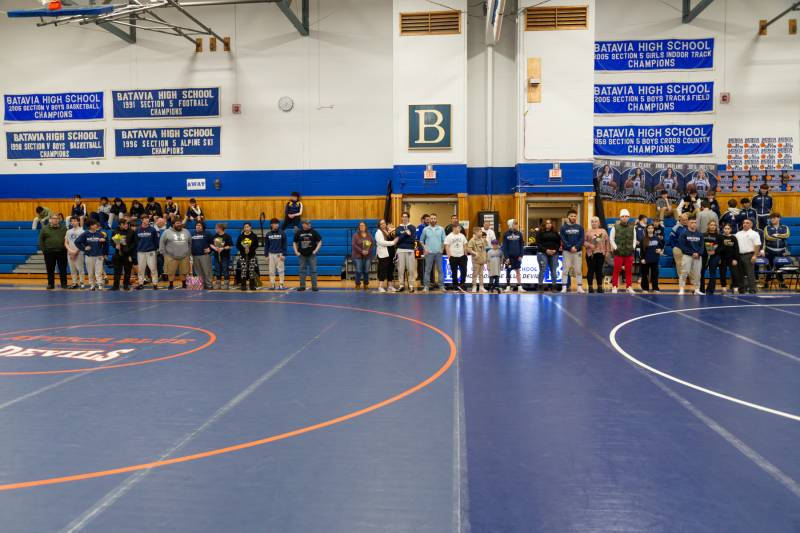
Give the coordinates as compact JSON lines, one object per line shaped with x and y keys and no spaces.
{"x":560,"y":127}
{"x":761,"y":73}
{"x":505,"y":90}
{"x":430,"y":69}
{"x":345,"y":63}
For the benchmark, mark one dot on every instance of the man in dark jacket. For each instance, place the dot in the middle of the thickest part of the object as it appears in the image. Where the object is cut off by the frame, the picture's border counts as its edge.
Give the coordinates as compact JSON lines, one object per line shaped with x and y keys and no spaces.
{"x":124,"y":241}
{"x":51,"y":242}
{"x":762,"y":203}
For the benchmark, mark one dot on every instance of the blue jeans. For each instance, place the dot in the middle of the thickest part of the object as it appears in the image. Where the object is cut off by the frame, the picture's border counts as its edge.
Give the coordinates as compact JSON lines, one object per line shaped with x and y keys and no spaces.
{"x":431,"y":260}
{"x":361,"y":267}
{"x":222,"y":265}
{"x":551,"y":261}
{"x":307,"y":264}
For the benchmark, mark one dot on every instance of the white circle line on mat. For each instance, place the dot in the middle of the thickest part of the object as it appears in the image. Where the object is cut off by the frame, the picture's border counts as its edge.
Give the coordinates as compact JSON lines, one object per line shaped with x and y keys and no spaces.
{"x":612,"y":337}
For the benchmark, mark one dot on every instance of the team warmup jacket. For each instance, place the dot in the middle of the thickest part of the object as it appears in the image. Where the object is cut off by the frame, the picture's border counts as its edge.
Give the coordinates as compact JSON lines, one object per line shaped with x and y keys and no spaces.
{"x":775,"y":238}
{"x":731,"y":217}
{"x":762,"y":203}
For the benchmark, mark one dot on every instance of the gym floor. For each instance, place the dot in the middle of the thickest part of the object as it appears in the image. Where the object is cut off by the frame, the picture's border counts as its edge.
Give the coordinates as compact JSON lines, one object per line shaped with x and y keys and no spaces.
{"x":355,"y":412}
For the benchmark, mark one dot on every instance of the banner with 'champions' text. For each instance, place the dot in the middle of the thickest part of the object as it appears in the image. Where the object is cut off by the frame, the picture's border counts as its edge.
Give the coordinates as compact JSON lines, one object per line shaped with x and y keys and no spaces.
{"x":692,"y":139}
{"x":661,"y":54}
{"x":651,"y":98}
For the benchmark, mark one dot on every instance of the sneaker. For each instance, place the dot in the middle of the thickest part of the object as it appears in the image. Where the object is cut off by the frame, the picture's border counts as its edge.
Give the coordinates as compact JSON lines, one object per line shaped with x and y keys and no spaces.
{"x":613,"y":290}
{"x":482,"y":289}
{"x":300,"y":289}
{"x":216,"y":285}
{"x":580,"y":290}
{"x":425,"y":289}
{"x":73,"y":286}
{"x":93,"y":288}
{"x":315,"y":289}
{"x":630,"y":290}
{"x":139,"y":287}
{"x":381,"y":289}
{"x":51,"y":287}
{"x":391,"y":289}
{"x":400,"y":289}
{"x":724,"y":290}
{"x":520,"y":289}
{"x":681,"y":292}
{"x":508,"y":289}
{"x":475,"y":288}
{"x":411,"y":290}
{"x":784,"y":286}
{"x":564,"y":289}
{"x":114,"y":288}
{"x":735,"y":290}
{"x":656,"y":291}
{"x":461,"y":289}
{"x":591,"y":289}
{"x":698,"y":292}
{"x":155,"y":286}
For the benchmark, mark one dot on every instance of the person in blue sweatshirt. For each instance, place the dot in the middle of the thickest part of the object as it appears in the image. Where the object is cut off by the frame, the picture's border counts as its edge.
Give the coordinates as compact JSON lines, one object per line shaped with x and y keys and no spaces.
{"x":746,"y":213}
{"x":762,"y":203}
{"x":731,"y":216}
{"x":513,"y":243}
{"x":293,"y":212}
{"x":775,"y":236}
{"x":147,"y":239}
{"x":275,"y":249}
{"x":652,"y":246}
{"x":572,"y":237}
{"x":690,"y":243}
{"x":95,"y":248}
{"x":432,"y":239}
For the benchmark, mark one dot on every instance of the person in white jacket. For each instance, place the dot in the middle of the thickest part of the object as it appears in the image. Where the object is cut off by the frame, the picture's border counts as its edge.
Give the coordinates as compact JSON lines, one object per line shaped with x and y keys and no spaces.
{"x":384,"y":240}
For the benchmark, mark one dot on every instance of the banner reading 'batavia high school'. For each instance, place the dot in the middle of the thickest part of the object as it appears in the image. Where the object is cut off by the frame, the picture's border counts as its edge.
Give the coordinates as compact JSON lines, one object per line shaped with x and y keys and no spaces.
{"x":650,"y":98}
{"x":662,"y":54}
{"x":689,"y":139}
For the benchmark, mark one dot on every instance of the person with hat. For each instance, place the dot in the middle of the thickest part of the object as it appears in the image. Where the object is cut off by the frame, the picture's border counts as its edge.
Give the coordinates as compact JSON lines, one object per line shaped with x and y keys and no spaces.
{"x":307,"y":243}
{"x":623,"y":243}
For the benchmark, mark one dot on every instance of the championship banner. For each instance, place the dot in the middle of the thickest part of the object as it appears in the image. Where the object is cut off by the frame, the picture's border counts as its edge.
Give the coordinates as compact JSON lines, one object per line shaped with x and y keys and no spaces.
{"x":529,"y":270}
{"x":149,"y":142}
{"x":691,"y":139}
{"x":68,"y":144}
{"x":643,"y":181}
{"x":760,"y":153}
{"x":651,"y":98}
{"x":53,"y":106}
{"x":166,"y":103}
{"x":662,"y":54}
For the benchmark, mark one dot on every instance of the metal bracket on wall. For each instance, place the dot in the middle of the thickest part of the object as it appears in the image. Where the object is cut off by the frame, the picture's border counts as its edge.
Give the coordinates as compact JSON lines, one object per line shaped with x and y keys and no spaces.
{"x":764,"y":24}
{"x":690,"y":13}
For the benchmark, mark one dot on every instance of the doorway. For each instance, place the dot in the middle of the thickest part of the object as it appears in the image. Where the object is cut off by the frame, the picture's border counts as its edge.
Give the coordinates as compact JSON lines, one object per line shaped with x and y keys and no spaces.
{"x":541,"y":209}
{"x":443,"y":207}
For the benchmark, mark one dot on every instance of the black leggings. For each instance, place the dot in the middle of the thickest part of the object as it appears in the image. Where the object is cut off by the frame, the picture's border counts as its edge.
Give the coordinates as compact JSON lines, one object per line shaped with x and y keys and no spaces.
{"x":458,"y":264}
{"x":385,"y":268}
{"x":649,"y":276}
{"x":595,"y":262}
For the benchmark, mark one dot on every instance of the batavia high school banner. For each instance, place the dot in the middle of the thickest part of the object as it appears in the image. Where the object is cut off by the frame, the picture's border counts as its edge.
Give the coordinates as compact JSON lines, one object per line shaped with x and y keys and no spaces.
{"x":646,"y":98}
{"x":693,"y":139}
{"x":148,"y":142}
{"x":53,"y":106}
{"x":166,"y":103}
{"x":69,"y":144}
{"x":663,"y":54}
{"x":643,"y":181}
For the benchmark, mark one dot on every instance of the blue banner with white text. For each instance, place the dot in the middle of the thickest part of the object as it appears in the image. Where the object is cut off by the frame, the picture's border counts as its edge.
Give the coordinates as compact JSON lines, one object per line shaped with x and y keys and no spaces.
{"x":154,"y":142}
{"x":166,"y":103}
{"x":661,"y":54}
{"x":650,"y":98}
{"x":68,"y":144}
{"x":691,"y":139}
{"x":53,"y":106}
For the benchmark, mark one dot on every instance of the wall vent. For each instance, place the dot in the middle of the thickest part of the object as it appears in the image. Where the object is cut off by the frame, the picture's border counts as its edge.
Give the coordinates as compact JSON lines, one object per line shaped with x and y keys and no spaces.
{"x":430,"y":23}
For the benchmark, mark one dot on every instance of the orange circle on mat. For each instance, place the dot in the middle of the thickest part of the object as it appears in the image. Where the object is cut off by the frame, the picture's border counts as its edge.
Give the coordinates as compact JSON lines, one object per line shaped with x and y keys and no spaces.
{"x":211,"y":340}
{"x":266,"y":440}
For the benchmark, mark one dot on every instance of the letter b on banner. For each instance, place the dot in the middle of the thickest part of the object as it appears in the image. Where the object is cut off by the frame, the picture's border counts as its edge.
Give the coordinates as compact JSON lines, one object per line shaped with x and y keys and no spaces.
{"x":429,"y":127}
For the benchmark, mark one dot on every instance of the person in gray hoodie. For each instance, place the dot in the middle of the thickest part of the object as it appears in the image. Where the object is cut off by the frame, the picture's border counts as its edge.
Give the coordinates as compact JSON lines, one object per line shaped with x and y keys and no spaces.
{"x":175,"y":246}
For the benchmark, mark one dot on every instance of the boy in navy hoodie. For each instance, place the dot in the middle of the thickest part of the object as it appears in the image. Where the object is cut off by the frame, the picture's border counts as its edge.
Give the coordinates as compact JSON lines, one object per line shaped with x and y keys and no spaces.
{"x":690,"y":243}
{"x":762,"y":203}
{"x":94,"y":246}
{"x":512,"y":251}
{"x":147,"y":239}
{"x":275,"y":250}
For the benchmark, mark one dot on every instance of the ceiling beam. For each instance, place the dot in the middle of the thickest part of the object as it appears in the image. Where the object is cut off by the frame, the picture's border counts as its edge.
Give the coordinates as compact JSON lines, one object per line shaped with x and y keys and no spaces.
{"x":301,"y":25}
{"x":690,"y":13}
{"x":794,"y":7}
